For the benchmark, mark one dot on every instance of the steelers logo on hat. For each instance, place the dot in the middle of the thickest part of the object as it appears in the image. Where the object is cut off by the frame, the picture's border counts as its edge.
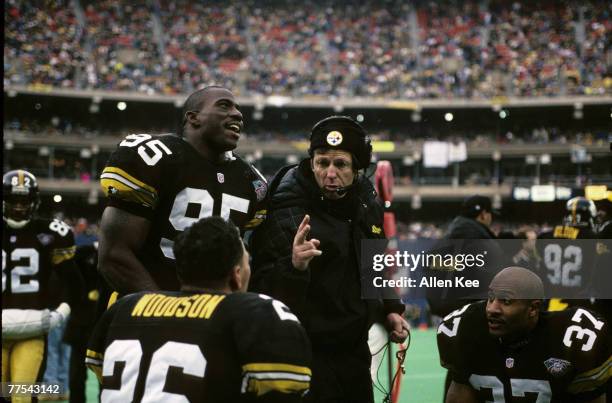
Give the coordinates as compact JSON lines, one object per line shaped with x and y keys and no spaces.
{"x":334,"y":138}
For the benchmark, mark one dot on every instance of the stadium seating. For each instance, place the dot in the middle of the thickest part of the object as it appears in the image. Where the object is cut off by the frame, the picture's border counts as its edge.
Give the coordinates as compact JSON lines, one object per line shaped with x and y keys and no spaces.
{"x":391,"y":49}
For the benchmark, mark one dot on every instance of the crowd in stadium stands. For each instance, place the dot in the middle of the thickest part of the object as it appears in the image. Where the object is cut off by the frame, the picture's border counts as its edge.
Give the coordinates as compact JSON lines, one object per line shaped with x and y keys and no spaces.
{"x":395,"y":49}
{"x":124,"y":54}
{"x":205,"y":42}
{"x":42,"y":45}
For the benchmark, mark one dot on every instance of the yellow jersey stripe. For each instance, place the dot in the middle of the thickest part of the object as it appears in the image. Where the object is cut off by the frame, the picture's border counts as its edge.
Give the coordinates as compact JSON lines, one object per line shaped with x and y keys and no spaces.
{"x":595,"y":371}
{"x":94,"y":354}
{"x":62,"y":254}
{"x":275,"y":367}
{"x":255,"y":222}
{"x":121,"y":172}
{"x":258,"y":218}
{"x":126,"y":183}
{"x":260,"y":387}
{"x":556,"y":304}
{"x":128,"y":193}
{"x":115,"y":179}
{"x":592,"y":379}
{"x":112,"y":299}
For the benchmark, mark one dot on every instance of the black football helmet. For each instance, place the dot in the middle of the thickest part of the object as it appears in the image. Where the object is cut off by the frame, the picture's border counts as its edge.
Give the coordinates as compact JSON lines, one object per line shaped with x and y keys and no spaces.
{"x":581,"y":212}
{"x":20,"y":197}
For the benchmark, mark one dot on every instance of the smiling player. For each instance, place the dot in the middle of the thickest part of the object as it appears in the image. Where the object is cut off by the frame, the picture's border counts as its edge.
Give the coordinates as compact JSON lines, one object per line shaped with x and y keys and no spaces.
{"x":159,"y":185}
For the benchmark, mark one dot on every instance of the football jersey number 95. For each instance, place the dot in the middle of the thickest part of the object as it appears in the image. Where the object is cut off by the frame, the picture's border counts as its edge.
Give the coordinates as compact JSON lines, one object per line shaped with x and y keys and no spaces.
{"x":155,"y":146}
{"x":164,"y":179}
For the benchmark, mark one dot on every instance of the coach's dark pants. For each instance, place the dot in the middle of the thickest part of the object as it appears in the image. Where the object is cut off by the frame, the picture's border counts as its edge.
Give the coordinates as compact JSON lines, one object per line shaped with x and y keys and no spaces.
{"x":341,"y":376}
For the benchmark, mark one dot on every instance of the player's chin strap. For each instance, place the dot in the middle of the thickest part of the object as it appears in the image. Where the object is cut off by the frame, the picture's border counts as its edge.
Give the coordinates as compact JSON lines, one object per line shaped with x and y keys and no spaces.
{"x":391,"y":396}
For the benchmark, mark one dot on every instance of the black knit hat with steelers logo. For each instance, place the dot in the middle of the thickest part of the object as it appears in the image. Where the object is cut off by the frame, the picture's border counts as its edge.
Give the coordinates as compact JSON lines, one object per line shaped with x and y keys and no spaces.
{"x":342,"y":133}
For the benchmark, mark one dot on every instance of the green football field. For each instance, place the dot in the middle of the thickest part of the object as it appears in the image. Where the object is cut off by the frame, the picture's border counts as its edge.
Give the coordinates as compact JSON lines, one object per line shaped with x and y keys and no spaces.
{"x":423,"y":382}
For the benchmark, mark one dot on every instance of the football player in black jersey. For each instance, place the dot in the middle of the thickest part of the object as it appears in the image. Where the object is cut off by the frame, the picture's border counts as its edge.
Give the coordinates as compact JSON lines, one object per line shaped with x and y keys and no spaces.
{"x":159,"y":185}
{"x":507,"y":350}
{"x":568,"y":253}
{"x":33,"y":250}
{"x":209,"y":342}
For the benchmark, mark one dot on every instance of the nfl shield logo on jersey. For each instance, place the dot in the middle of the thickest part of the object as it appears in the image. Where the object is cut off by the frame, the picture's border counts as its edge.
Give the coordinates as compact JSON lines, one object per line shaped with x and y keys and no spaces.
{"x":45,"y":239}
{"x":557,"y":366}
{"x":220,"y":177}
{"x":509,"y":362}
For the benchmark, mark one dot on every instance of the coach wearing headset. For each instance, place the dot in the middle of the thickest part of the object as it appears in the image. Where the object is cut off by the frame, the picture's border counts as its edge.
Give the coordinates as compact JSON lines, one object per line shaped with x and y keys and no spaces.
{"x":307,"y":254}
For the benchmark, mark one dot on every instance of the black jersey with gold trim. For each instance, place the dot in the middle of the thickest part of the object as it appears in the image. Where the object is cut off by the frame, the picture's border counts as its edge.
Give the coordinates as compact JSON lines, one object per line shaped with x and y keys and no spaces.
{"x":566,"y":358}
{"x":164,"y":179}
{"x":209,"y":347}
{"x":567,"y":259}
{"x":30,"y":256}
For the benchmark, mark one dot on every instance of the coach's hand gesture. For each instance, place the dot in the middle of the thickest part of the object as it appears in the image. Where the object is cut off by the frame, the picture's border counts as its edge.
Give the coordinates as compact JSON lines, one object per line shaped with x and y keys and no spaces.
{"x":304,"y":250}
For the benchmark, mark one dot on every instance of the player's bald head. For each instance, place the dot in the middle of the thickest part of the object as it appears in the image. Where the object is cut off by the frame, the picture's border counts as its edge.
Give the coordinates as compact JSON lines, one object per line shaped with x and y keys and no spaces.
{"x":517,"y":283}
{"x":196,"y":101}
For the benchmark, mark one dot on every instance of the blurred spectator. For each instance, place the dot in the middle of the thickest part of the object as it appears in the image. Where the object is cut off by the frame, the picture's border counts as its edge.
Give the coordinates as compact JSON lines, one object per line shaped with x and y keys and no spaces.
{"x":394,"y":49}
{"x":42,"y":44}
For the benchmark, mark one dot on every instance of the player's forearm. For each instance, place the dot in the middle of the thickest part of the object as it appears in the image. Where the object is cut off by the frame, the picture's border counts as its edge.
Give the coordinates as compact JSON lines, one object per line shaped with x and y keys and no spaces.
{"x":121,"y":235}
{"x":125,"y":274}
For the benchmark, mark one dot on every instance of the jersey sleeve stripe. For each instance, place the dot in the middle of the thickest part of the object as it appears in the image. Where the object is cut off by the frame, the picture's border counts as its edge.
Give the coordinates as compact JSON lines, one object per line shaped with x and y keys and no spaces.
{"x":121,"y":173}
{"x":277,"y":375}
{"x":94,"y":354}
{"x":92,"y":361}
{"x":60,"y":255}
{"x":592,"y":379}
{"x":127,"y":187}
{"x":258,"y":218}
{"x":112,"y":299}
{"x":275,"y":367}
{"x":260,"y":387}
{"x":261,"y":378}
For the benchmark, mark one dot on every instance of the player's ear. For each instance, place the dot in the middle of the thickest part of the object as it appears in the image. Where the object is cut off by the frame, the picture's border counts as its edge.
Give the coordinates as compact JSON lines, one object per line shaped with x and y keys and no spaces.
{"x":534,"y":307}
{"x":235,"y":279}
{"x":192,"y":118}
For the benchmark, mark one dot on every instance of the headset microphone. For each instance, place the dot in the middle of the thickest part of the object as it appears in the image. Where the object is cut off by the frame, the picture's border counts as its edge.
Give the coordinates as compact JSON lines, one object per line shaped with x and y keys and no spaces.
{"x":341,"y":191}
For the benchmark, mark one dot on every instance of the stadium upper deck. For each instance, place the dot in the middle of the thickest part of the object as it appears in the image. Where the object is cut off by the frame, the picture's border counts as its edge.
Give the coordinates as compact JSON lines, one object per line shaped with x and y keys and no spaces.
{"x":391,"y":49}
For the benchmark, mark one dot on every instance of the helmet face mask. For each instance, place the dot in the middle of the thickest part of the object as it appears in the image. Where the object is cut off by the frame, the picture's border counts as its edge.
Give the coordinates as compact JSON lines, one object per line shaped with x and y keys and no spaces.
{"x":581,"y":212}
{"x":20,"y":199}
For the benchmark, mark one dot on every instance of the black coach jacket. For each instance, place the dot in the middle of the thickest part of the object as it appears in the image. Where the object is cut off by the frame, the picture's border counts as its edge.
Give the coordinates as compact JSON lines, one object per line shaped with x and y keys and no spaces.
{"x":326,"y":297}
